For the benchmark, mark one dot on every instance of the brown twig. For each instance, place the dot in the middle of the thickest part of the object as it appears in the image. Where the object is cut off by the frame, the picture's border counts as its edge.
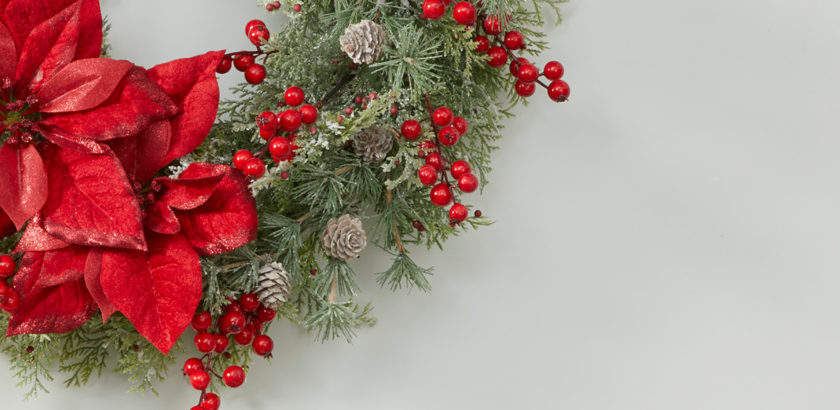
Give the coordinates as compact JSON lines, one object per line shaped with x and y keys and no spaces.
{"x":333,"y":286}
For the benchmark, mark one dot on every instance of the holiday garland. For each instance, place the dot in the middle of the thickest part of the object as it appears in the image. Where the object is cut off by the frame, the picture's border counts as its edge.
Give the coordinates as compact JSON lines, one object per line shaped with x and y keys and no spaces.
{"x":134,"y":206}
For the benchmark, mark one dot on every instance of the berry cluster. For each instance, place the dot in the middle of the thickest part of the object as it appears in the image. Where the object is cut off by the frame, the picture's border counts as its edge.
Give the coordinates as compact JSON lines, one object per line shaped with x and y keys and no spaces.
{"x":526,"y":73}
{"x":463,"y":12}
{"x":243,"y":321}
{"x":279,"y":131}
{"x":245,"y":61}
{"x":9,"y":299}
{"x":448,"y":129}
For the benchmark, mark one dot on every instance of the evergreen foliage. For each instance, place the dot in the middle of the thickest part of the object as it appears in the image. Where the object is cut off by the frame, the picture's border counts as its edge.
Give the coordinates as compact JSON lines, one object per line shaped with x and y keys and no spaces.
{"x":425,"y":63}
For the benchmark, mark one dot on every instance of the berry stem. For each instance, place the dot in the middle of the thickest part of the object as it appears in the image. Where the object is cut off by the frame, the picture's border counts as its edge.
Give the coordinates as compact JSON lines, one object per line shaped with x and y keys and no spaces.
{"x":515,"y":60}
{"x":443,"y":175}
{"x":254,"y":53}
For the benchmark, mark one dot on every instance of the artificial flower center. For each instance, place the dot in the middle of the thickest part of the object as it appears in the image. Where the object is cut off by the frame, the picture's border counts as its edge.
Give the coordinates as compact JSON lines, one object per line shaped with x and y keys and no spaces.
{"x":18,"y":118}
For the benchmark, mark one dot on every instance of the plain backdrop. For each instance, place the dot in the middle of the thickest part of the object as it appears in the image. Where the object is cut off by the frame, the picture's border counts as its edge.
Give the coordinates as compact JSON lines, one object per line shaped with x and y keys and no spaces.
{"x":665,"y":240}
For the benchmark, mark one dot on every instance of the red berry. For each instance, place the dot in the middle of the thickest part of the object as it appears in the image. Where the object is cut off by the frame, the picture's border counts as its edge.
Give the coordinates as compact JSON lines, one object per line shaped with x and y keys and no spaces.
{"x":269,"y":7}
{"x":241,"y":157}
{"x":7,"y":266}
{"x":525,"y":89}
{"x":442,"y":116}
{"x":558,"y":90}
{"x":242,"y":61}
{"x":461,"y":125}
{"x":249,"y":302}
{"x":280,"y":148}
{"x":514,"y":65}
{"x":4,"y":289}
{"x":297,"y":8}
{"x":498,"y":56}
{"x":482,"y":44}
{"x":464,"y":13}
{"x":477,"y":213}
{"x":265,"y":314}
{"x":254,"y":168}
{"x":204,"y":342}
{"x":11,"y":301}
{"x":308,"y":113}
{"x":441,"y":195}
{"x":433,"y":9}
{"x":232,"y":322}
{"x":394,"y":110}
{"x":266,"y":120}
{"x":244,"y":337}
{"x":266,"y":134}
{"x":528,"y":73}
{"x":284,"y":175}
{"x":211,"y":402}
{"x":428,"y":175}
{"x":459,"y":167}
{"x":276,"y":4}
{"x":202,"y":321}
{"x":514,"y":40}
{"x":467,"y":182}
{"x":434,"y":160}
{"x":258,"y":34}
{"x":222,"y":343}
{"x":199,"y":379}
{"x":448,"y":136}
{"x":411,"y":129}
{"x":263,"y":345}
{"x":192,"y":364}
{"x":224,"y":65}
{"x":290,"y":120}
{"x":253,"y":23}
{"x":348,"y":110}
{"x":294,"y":96}
{"x":234,"y":376}
{"x":553,"y":70}
{"x":458,"y":213}
{"x":255,"y":74}
{"x":492,"y":25}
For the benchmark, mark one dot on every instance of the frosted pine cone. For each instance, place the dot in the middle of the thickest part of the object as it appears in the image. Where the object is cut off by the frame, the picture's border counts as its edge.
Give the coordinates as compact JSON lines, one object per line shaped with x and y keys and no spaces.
{"x":373,"y":143}
{"x":273,"y":285}
{"x":363,"y":41}
{"x":344,"y":238}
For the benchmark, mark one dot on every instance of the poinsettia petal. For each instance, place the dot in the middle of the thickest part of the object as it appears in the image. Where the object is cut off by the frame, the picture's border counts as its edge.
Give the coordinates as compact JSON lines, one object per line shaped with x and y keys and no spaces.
{"x":56,"y":309}
{"x":23,"y":182}
{"x":161,"y":219}
{"x":22,"y":16}
{"x":227,"y":220}
{"x":141,"y":155}
{"x":192,"y":84}
{"x":193,"y":187}
{"x":90,"y":30}
{"x":92,"y":202}
{"x":8,"y":53}
{"x":136,"y":103}
{"x":50,"y":46}
{"x":93,"y":271}
{"x":36,"y":239}
{"x":67,"y":140}
{"x":81,"y":85}
{"x":7,"y":227}
{"x":157,"y":291}
{"x":62,"y":266}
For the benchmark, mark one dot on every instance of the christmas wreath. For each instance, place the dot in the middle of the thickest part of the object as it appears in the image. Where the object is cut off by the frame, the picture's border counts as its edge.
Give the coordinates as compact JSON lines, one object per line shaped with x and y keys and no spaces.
{"x":134,"y":206}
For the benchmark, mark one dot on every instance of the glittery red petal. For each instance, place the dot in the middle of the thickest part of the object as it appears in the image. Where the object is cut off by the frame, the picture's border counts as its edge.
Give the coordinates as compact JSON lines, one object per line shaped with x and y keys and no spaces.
{"x":192,"y":84}
{"x":22,"y":16}
{"x":227,"y":220}
{"x":8,"y":53}
{"x":193,"y":187}
{"x":157,"y":291}
{"x":50,"y":46}
{"x":93,"y":270}
{"x":36,"y":239}
{"x":136,"y":103}
{"x":23,"y":182}
{"x":141,"y":155}
{"x":91,"y":203}
{"x":161,"y":219}
{"x":82,"y":85}
{"x":55,"y":309}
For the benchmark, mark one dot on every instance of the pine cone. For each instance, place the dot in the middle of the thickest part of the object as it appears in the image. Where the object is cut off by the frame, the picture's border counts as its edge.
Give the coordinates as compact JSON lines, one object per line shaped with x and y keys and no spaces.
{"x":373,"y":143}
{"x":363,"y":41}
{"x":344,"y":238}
{"x":273,"y":285}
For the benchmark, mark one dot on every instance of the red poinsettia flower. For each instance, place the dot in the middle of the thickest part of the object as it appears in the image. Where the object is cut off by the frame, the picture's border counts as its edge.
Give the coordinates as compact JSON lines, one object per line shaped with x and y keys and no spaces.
{"x":96,"y":131}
